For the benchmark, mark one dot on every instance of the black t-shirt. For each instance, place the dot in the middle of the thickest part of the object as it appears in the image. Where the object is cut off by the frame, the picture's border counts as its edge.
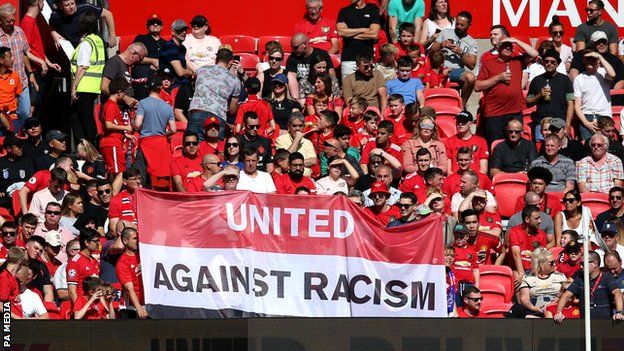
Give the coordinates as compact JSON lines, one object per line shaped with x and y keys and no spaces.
{"x":358,"y":18}
{"x":67,"y":26}
{"x":183,"y":98}
{"x":43,"y":276}
{"x":602,"y":218}
{"x":44,"y":161}
{"x":97,"y":212}
{"x":14,"y":171}
{"x":172,"y":52}
{"x":144,"y":71}
{"x":301,"y":65}
{"x":282,"y":110}
{"x":574,"y":150}
{"x":517,"y":159}
{"x":618,"y":66}
{"x":33,"y":151}
{"x":117,"y":68}
{"x":560,"y":87}
{"x":263,"y":145}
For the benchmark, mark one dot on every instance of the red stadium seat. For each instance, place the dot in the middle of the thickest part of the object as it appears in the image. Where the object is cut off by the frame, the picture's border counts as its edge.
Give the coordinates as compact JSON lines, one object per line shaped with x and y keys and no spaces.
{"x":284,"y":40}
{"x":493,"y":292}
{"x":495,"y":310}
{"x":335,"y":61}
{"x":53,"y":311}
{"x":240,"y":43}
{"x":249,"y":62}
{"x":501,"y":275}
{"x":66,"y":310}
{"x":508,"y":187}
{"x":615,"y":114}
{"x":17,"y":209}
{"x":442,"y":97}
{"x":446,"y":126}
{"x":617,"y":97}
{"x":98,"y":122}
{"x":596,"y":202}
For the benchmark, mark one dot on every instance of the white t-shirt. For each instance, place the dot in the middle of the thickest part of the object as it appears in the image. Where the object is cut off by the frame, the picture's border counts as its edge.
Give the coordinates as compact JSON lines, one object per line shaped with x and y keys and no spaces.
{"x":60,"y":277}
{"x":84,"y":54}
{"x":32,"y":306}
{"x":201,"y":52}
{"x":457,"y":199}
{"x":594,"y":91}
{"x":328,"y":186}
{"x":261,"y":184}
{"x":432,"y":27}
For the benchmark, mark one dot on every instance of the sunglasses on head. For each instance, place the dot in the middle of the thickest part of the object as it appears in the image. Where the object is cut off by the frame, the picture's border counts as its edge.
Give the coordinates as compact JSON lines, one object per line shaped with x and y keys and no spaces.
{"x":104,"y":191}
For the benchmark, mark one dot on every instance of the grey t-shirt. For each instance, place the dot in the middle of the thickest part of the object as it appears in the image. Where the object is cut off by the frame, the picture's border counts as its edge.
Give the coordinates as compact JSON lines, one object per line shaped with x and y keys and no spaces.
{"x":214,"y":87}
{"x":584,"y":32}
{"x":547,"y":223}
{"x":467,"y":44}
{"x":156,"y":115}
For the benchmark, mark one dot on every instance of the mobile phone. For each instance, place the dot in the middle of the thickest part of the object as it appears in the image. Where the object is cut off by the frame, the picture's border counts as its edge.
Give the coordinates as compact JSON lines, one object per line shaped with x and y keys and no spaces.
{"x":237,"y":58}
{"x":438,"y":31}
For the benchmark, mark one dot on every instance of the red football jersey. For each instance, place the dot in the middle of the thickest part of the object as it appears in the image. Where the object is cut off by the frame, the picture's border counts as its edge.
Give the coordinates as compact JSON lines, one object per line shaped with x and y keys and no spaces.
{"x":465,"y":263}
{"x":527,"y":243}
{"x":79,"y":268}
{"x":128,"y":271}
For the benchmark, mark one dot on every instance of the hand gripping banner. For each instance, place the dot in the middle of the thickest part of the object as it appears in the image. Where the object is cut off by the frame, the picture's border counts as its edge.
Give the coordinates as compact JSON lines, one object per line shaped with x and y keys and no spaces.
{"x":239,"y":254}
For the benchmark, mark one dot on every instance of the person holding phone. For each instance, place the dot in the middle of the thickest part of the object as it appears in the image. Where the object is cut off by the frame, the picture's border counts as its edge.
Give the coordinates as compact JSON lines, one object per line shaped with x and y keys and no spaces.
{"x":439,"y":18}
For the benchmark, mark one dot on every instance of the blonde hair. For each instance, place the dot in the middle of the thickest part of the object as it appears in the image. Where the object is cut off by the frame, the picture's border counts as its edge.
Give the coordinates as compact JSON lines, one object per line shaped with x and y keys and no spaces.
{"x":91,"y":152}
{"x":539,"y":256}
{"x":545,"y":121}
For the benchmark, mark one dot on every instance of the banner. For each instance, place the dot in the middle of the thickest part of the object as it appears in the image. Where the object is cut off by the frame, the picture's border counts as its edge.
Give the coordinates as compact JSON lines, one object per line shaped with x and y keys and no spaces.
{"x":239,"y":254}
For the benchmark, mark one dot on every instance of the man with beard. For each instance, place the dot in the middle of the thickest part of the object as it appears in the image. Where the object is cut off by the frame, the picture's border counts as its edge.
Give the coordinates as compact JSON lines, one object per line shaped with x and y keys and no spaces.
{"x":616,"y":195}
{"x":595,"y":23}
{"x":320,"y":30}
{"x":551,"y":92}
{"x":288,"y":183}
{"x":523,"y":240}
{"x":460,"y":53}
{"x":251,"y":139}
{"x":149,"y":65}
{"x":381,"y":210}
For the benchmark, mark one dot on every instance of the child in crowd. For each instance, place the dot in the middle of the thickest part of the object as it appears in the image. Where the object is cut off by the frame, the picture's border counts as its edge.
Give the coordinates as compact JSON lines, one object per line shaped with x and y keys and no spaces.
{"x":10,"y":88}
{"x":97,"y":303}
{"x":403,"y":128}
{"x":259,"y":106}
{"x":437,"y":75}
{"x":320,"y":104}
{"x":451,"y":281}
{"x":407,"y":35}
{"x":116,"y":129}
{"x":370,"y":124}
{"x":387,"y":61}
{"x":410,"y":88}
{"x":168,"y":93}
{"x":420,"y":64}
{"x":354,"y":118}
{"x":281,"y":165}
{"x":465,"y":267}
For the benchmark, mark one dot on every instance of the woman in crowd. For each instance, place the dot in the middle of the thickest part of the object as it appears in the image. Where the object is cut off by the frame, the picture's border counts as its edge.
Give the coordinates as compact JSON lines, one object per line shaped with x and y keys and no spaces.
{"x":565,"y":51}
{"x":231,"y":153}
{"x":426,"y":136}
{"x":574,"y":216}
{"x":268,"y":70}
{"x":541,"y":287}
{"x":439,"y":18}
{"x":337,"y":179}
{"x":323,"y":86}
{"x":71,"y":208}
{"x":307,"y":86}
{"x":281,"y":104}
{"x":93,"y":165}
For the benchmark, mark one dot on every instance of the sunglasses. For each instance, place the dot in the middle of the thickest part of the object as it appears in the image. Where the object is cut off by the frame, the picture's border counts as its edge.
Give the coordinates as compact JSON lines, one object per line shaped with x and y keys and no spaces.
{"x":429,"y":126}
{"x":154,"y":23}
{"x":34,"y":126}
{"x":549,"y":62}
{"x":615,"y":197}
{"x":191,"y":143}
{"x":274,"y":58}
{"x":9,"y":233}
{"x":253,"y":126}
{"x":475,"y":299}
{"x":56,"y":213}
{"x":231,"y":145}
{"x":404,"y":206}
{"x":557,"y":32}
{"x":513,"y":131}
{"x":608,"y":235}
{"x":105,"y":191}
{"x":568,"y":200}
{"x":596,"y":145}
{"x":590,"y":10}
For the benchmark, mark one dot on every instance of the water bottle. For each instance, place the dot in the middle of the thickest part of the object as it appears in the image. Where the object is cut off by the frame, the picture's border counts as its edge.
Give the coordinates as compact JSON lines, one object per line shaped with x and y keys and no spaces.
{"x":507,"y":70}
{"x":547,"y":96}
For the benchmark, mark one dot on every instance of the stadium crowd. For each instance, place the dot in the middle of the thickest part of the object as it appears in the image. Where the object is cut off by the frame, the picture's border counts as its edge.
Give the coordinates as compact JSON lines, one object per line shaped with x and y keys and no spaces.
{"x":371,"y":106}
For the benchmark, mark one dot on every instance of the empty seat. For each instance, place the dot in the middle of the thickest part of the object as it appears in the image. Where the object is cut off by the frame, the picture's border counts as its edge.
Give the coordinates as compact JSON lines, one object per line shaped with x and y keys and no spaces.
{"x":494,"y":291}
{"x":502,"y":275}
{"x":442,"y":98}
{"x":495,"y":310}
{"x":508,"y":187}
{"x":249,"y":62}
{"x":284,"y":40}
{"x":240,"y":43}
{"x":596,"y":202}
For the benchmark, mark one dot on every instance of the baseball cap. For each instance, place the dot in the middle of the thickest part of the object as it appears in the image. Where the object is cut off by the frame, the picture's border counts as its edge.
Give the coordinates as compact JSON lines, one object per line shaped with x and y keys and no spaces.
{"x":557,"y":123}
{"x":379,"y":187}
{"x":31,"y":122}
{"x":199,"y":21}
{"x":609,"y":227}
{"x":11,"y":140}
{"x":573,"y":246}
{"x":464,"y":116}
{"x":154,"y":17}
{"x":460,"y":229}
{"x":55,"y":135}
{"x":597,"y":36}
{"x":53,"y":238}
{"x":178,"y":25}
{"x":423,"y":210}
{"x":154,"y":81}
{"x":552,"y":53}
{"x":212,"y":120}
{"x":280,"y":78}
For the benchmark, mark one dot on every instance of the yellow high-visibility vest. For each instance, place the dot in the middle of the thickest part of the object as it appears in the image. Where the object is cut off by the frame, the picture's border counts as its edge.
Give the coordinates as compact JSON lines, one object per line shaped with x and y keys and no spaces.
{"x":92,"y":79}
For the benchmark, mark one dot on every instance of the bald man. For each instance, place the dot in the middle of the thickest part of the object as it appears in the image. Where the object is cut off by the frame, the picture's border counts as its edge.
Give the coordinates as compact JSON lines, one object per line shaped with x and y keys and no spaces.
{"x":211,"y":164}
{"x":298,"y":64}
{"x":515,"y":154}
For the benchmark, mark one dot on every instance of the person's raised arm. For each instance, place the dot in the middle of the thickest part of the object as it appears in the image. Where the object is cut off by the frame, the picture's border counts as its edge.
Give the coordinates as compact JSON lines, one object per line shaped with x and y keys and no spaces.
{"x":110,"y":24}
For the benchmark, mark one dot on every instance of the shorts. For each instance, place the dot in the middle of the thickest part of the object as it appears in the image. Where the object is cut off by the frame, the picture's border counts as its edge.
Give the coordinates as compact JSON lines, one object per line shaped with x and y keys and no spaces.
{"x":115,"y":159}
{"x":456,"y":74}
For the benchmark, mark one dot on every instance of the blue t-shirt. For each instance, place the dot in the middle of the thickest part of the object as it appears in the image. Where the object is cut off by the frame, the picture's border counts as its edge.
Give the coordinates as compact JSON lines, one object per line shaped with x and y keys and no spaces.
{"x":156,"y":115}
{"x":405,"y":88}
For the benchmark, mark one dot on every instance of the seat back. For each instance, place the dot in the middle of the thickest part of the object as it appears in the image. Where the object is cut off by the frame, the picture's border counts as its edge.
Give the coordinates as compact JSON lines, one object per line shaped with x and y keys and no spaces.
{"x":442,"y":98}
{"x":494,"y":291}
{"x":508,"y":187}
{"x":249,"y":62}
{"x":240,"y":43}
{"x":495,"y":310}
{"x":502,"y":276}
{"x":596,"y":202}
{"x":284,"y":40}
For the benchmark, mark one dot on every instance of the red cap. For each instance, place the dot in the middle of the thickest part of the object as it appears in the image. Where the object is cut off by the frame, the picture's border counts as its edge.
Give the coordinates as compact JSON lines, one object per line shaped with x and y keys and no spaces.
{"x":154,"y":16}
{"x":212,"y":120}
{"x":379,"y":187}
